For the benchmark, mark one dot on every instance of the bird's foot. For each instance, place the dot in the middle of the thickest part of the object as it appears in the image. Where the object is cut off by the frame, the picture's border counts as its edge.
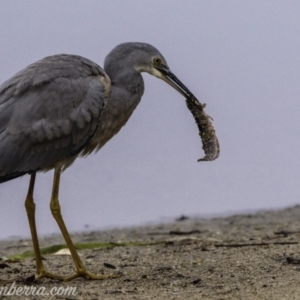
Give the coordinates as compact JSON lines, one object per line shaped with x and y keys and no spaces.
{"x":86,"y":274}
{"x":45,"y":274}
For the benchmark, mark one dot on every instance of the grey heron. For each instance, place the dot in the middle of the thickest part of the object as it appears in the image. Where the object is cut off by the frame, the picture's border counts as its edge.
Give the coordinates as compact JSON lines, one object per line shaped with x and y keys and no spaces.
{"x":66,"y":106}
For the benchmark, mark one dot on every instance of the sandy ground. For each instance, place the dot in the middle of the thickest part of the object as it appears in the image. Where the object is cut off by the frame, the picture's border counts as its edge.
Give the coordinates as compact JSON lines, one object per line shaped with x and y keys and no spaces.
{"x":253,"y":256}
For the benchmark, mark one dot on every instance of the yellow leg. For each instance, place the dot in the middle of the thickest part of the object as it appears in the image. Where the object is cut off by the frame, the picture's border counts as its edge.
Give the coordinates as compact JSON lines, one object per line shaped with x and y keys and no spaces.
{"x":30,"y":209}
{"x":55,"y":209}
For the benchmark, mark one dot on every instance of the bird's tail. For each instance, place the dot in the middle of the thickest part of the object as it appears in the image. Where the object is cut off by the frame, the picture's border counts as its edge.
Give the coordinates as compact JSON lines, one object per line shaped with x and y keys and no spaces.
{"x":11,"y":176}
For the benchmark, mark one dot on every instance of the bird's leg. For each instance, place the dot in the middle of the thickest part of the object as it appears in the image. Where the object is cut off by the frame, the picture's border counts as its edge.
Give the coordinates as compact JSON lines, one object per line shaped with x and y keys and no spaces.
{"x":55,"y":209}
{"x":30,"y":209}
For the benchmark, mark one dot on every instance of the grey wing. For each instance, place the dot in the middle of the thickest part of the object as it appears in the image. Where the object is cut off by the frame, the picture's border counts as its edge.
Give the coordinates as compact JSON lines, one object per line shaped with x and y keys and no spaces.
{"x":43,"y":122}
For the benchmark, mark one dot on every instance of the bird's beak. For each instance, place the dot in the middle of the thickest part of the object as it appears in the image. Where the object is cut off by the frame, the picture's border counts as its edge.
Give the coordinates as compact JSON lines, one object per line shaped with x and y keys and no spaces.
{"x":173,"y":81}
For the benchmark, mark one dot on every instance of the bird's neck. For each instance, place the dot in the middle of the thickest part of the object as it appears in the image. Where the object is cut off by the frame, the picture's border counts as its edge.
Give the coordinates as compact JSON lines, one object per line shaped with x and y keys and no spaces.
{"x":126,"y":92}
{"x":131,"y":82}
{"x":127,"y":89}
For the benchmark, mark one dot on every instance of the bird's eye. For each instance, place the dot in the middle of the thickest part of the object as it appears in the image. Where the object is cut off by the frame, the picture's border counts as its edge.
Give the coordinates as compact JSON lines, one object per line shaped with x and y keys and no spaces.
{"x":157,"y":61}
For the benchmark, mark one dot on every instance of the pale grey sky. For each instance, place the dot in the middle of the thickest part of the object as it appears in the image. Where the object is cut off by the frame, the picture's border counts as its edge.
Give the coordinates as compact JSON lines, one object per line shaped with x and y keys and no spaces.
{"x":240,"y":57}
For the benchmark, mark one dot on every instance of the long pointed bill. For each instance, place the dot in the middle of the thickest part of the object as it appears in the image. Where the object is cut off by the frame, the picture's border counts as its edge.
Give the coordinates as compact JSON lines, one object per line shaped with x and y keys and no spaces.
{"x":173,"y":81}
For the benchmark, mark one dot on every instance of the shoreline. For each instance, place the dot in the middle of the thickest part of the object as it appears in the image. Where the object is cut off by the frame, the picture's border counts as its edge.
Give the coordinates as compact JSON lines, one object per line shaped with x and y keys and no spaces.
{"x":242,"y":256}
{"x":152,"y":223}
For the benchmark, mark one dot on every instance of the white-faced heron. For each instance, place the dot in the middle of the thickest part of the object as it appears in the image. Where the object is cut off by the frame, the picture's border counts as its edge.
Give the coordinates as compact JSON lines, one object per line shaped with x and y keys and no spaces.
{"x":65,"y":106}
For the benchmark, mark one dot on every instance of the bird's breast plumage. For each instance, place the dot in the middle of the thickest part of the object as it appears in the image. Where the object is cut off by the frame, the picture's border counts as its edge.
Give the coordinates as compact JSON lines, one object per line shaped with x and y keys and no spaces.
{"x":120,"y":105}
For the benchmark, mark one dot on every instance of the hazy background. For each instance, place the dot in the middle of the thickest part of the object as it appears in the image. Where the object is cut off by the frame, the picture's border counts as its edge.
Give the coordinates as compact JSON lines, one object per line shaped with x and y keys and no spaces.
{"x":242,"y":58}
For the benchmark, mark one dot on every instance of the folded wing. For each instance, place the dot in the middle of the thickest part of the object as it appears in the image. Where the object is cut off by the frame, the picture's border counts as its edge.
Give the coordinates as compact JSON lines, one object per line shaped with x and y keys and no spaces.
{"x":48,"y":113}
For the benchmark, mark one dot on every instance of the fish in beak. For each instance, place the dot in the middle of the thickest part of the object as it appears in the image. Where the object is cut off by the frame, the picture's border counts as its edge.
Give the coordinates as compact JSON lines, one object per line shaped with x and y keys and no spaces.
{"x":210,"y":143}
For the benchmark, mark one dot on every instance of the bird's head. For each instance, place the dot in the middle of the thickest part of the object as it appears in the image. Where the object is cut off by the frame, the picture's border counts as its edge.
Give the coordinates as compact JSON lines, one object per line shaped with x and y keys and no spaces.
{"x":144,"y":58}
